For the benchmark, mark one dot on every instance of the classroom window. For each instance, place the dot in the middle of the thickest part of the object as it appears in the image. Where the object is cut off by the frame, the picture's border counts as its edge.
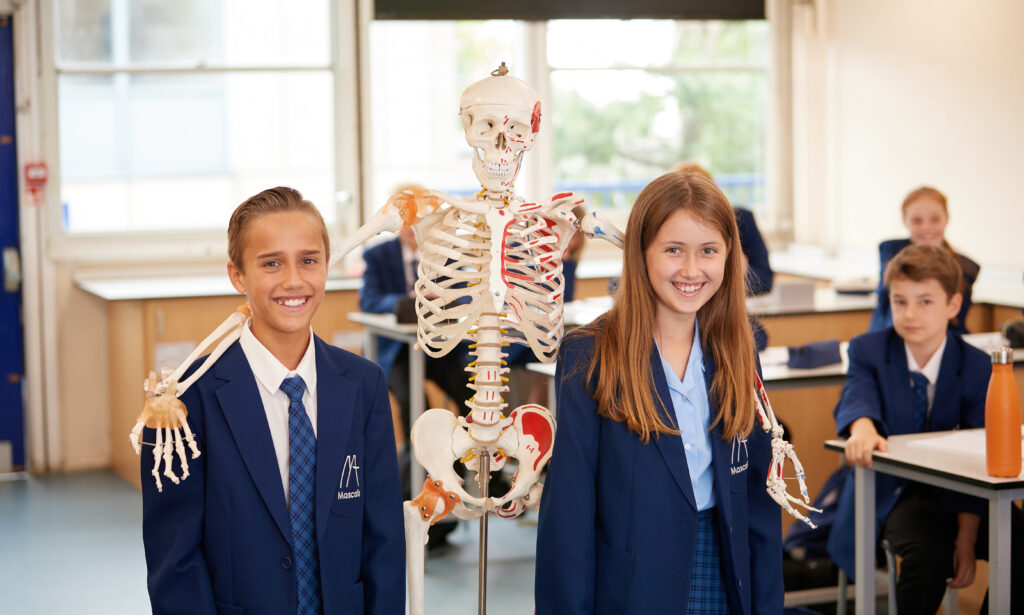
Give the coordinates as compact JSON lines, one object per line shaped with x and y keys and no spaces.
{"x":665,"y":92}
{"x":622,"y":113}
{"x":170,"y":114}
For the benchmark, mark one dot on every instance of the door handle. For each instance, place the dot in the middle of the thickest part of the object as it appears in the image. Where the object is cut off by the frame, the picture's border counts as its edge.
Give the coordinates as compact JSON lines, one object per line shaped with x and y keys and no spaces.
{"x":12,"y":270}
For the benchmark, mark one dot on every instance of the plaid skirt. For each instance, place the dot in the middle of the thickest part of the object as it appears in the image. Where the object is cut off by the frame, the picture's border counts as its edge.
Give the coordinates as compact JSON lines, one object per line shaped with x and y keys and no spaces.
{"x":707,"y":587}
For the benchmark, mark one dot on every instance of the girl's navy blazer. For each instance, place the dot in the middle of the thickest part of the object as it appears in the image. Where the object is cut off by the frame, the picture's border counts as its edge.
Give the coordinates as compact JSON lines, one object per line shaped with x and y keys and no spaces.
{"x":618,"y":520}
{"x":220,"y":542}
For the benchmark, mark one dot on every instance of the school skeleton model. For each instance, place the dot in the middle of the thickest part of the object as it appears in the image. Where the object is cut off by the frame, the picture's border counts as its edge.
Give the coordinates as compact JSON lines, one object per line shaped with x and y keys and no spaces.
{"x":491,"y":265}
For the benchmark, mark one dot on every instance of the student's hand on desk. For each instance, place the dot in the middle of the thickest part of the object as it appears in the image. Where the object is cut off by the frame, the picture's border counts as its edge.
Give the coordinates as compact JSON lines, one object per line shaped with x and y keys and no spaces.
{"x":863,"y":441}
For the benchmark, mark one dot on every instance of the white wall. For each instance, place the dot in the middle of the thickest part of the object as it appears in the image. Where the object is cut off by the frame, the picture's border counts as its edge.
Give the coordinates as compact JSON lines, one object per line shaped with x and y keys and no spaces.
{"x":925,"y":92}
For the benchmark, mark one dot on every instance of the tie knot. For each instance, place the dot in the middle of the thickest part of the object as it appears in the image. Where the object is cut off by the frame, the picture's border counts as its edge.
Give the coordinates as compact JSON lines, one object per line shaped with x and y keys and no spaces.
{"x":918,"y":380}
{"x":293,"y":387}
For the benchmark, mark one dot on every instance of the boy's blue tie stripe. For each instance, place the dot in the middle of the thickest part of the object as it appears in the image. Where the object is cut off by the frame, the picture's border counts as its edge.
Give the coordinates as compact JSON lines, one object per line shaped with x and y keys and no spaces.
{"x":919,"y":388}
{"x":301,"y":498}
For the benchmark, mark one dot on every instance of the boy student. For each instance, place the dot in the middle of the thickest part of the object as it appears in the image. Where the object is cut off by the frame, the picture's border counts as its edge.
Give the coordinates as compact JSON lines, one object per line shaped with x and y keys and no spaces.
{"x":295,"y":505}
{"x":916,"y":376}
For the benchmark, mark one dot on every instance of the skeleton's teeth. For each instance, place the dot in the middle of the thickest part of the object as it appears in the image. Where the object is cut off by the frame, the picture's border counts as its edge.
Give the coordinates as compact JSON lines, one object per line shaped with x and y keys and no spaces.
{"x":292,"y":302}
{"x":498,"y":169}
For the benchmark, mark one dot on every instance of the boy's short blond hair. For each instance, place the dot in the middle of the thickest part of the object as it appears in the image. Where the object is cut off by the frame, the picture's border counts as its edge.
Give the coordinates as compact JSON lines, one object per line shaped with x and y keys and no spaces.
{"x":921,"y":262}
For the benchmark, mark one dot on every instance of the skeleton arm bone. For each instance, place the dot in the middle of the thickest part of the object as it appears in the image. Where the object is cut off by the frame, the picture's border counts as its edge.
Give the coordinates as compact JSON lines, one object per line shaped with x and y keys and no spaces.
{"x":596,"y":224}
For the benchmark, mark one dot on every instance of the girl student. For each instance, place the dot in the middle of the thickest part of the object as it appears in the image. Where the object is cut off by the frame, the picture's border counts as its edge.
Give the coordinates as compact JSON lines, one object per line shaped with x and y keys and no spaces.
{"x":295,"y":505}
{"x":655,"y":500}
{"x":926,"y":215}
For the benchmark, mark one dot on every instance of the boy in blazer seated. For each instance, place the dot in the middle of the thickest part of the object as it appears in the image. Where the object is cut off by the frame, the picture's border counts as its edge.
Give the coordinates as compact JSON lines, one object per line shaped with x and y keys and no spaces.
{"x":916,"y":376}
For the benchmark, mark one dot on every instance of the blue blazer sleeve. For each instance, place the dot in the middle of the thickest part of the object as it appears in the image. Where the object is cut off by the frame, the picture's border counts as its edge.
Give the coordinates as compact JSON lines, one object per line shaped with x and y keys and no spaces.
{"x":383,"y":280}
{"x":172,"y":529}
{"x":383,"y":557}
{"x":759,"y":270}
{"x":862,"y":394}
{"x":881,"y":318}
{"x":566,"y":537}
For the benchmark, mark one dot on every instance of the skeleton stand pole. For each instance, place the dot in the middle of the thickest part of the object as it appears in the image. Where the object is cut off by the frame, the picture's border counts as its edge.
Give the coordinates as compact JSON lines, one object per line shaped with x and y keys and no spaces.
{"x":485,"y":478}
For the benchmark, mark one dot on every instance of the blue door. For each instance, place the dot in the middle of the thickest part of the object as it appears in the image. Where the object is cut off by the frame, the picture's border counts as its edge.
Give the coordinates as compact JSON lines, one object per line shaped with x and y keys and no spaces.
{"x":12,"y":364}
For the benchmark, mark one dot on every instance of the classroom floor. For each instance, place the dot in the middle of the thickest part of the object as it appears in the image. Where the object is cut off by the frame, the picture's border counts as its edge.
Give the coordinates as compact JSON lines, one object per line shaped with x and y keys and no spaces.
{"x":72,"y":544}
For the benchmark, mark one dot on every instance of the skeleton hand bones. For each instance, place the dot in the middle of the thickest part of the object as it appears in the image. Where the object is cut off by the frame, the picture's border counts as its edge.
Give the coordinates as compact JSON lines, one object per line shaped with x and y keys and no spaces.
{"x":781,"y":449}
{"x":168,"y":417}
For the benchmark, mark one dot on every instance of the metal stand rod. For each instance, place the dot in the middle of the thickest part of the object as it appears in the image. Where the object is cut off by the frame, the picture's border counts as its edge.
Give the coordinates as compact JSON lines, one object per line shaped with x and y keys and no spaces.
{"x":485,"y":481}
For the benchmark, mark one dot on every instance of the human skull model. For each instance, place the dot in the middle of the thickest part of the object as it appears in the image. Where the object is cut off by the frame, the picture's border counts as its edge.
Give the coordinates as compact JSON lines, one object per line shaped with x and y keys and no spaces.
{"x":499,"y":132}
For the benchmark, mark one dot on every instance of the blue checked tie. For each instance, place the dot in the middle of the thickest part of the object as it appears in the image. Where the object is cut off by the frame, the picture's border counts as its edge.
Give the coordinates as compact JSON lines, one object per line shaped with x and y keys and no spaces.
{"x":919,"y":388}
{"x":301,"y":500}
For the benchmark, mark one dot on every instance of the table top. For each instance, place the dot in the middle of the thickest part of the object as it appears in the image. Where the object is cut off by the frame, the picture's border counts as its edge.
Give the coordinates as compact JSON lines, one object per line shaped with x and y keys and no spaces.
{"x":957,"y":455}
{"x":165,"y":287}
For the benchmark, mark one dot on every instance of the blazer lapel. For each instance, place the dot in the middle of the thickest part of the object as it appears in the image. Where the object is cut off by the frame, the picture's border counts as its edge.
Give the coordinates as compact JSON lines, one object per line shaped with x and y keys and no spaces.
{"x":243,"y":409}
{"x":896,"y":392}
{"x":945,"y":413}
{"x":670,"y":446}
{"x":335,"y":399}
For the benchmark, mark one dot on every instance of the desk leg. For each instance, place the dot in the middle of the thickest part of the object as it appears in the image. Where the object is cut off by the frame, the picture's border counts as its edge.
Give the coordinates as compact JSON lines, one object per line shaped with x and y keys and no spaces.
{"x":417,"y":373}
{"x":551,"y":396}
{"x":864,"y":550}
{"x":370,"y":346}
{"x":999,"y":555}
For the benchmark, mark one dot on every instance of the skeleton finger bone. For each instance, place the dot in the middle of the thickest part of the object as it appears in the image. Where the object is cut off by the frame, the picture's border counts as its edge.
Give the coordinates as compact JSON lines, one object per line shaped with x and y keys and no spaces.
{"x":169,"y":455}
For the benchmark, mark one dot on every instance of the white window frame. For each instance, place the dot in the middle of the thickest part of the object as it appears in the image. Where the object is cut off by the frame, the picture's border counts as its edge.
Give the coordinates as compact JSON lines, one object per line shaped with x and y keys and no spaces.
{"x":197,"y":246}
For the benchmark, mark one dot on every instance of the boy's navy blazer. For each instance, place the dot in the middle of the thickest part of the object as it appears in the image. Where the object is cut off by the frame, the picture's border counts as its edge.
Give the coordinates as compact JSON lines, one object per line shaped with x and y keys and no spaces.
{"x":220,"y":542}
{"x":618,"y":519}
{"x":881,"y":316}
{"x":384,"y":286}
{"x":878,"y":387}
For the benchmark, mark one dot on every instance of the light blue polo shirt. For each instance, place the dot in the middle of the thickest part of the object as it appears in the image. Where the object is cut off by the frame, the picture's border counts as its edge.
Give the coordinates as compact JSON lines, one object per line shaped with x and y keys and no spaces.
{"x":693,"y":415}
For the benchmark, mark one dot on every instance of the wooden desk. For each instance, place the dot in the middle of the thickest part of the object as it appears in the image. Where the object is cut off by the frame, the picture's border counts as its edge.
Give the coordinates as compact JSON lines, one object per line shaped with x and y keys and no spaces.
{"x":943,"y":466}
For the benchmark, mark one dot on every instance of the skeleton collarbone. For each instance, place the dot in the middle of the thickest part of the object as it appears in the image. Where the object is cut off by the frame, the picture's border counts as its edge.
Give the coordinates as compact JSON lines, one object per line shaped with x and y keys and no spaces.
{"x":490,"y":261}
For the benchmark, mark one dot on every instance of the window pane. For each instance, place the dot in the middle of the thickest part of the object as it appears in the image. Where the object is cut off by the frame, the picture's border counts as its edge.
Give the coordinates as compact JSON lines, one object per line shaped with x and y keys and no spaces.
{"x":652,"y":43}
{"x":418,"y":72}
{"x":618,"y":128}
{"x":162,"y":152}
{"x":193,"y":32}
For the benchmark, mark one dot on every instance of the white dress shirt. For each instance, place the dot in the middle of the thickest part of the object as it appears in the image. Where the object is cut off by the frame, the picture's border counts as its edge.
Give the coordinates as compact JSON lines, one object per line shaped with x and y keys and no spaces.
{"x":270,"y":373}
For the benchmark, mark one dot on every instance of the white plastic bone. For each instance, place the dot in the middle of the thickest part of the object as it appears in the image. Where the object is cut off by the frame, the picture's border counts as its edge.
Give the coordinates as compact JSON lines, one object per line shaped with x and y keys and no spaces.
{"x":781,"y":450}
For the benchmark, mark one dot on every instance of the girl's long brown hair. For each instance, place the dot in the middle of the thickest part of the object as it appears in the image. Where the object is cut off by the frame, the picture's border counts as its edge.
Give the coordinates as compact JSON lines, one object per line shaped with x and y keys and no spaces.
{"x":624,"y":337}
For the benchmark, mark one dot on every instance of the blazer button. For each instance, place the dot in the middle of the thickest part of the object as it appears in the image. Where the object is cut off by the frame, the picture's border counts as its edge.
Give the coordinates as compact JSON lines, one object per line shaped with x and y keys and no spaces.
{"x":286,"y":563}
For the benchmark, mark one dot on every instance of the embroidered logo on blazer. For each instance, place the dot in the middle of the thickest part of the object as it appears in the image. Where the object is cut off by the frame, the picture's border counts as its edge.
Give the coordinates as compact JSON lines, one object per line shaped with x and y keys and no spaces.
{"x":739,"y":459}
{"x":348,"y":486}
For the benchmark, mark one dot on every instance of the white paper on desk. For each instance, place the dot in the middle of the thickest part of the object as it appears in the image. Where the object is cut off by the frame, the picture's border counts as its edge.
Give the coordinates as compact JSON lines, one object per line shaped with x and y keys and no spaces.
{"x":774,"y":355}
{"x":970,"y":442}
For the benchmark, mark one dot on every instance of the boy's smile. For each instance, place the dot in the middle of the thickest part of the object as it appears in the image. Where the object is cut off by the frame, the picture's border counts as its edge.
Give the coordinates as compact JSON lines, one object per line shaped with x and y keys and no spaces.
{"x":921,"y":313}
{"x":284,"y":274}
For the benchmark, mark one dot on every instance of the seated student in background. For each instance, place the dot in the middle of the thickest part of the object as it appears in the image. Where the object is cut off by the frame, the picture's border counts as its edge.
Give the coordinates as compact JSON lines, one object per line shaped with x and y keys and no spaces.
{"x":389,"y":278}
{"x":914,"y":377}
{"x":755,"y":252}
{"x":925,"y":214}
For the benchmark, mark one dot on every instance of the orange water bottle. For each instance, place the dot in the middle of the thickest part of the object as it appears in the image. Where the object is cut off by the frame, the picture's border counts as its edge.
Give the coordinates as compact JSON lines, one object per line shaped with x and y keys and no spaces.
{"x":1002,"y":417}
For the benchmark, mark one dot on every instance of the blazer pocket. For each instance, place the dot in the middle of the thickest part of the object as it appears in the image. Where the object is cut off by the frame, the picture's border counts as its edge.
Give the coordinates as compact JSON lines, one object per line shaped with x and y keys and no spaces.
{"x":228,"y":609}
{"x":355,"y":598}
{"x":613,"y":578}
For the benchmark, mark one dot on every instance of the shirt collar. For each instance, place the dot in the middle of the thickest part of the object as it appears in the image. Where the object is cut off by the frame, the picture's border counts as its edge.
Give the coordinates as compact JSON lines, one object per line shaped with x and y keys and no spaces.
{"x":268,"y":370}
{"x":693,"y":376}
{"x":931,"y":368}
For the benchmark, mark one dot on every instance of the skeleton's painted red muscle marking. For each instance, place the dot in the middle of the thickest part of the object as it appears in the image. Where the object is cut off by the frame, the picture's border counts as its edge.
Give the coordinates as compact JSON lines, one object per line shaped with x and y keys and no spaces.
{"x":537,"y":426}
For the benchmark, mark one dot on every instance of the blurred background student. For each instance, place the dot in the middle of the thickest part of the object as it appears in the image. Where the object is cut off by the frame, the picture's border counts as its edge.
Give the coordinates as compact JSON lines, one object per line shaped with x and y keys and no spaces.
{"x":925,"y":214}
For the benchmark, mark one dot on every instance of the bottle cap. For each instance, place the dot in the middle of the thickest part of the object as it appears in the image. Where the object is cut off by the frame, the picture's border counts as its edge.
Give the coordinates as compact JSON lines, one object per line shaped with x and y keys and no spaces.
{"x":1002,"y":355}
